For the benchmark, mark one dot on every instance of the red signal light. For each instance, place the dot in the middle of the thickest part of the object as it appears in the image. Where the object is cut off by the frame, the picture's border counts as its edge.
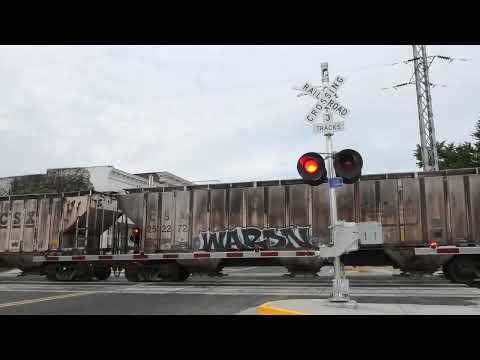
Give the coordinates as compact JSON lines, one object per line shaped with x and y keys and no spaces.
{"x":136,"y":230}
{"x":311,"y":168}
{"x":348,"y":165}
{"x":309,"y":164}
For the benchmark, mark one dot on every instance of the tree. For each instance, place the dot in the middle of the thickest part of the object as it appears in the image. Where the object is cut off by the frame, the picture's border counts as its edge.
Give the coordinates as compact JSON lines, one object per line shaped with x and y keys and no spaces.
{"x":65,"y":180}
{"x":451,"y":156}
{"x":56,"y":181}
{"x":28,"y":184}
{"x":476,"y":137}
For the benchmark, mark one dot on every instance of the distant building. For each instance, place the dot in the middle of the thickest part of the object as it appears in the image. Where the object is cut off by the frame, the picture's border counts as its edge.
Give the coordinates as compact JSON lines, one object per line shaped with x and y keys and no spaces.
{"x":108,"y":178}
{"x":164,"y":178}
{"x":98,"y":178}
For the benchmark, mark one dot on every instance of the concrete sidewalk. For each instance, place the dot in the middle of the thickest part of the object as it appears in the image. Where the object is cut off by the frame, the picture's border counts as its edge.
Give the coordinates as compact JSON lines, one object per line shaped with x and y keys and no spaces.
{"x":324,"y":307}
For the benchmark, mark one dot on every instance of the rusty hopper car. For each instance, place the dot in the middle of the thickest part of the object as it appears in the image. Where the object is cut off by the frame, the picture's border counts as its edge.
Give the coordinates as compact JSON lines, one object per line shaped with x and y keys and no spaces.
{"x":41,"y":224}
{"x":203,"y":228}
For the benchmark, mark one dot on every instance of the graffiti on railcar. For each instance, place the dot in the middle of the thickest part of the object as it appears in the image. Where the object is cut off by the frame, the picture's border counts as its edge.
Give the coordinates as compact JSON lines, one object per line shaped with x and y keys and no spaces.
{"x":250,"y":238}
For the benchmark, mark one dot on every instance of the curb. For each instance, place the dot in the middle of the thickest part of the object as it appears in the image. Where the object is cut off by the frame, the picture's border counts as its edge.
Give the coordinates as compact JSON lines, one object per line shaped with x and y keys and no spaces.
{"x":266,"y":309}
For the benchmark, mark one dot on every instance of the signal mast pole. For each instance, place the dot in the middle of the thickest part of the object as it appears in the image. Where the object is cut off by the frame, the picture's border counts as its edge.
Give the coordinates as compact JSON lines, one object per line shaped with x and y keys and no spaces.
{"x":340,"y":283}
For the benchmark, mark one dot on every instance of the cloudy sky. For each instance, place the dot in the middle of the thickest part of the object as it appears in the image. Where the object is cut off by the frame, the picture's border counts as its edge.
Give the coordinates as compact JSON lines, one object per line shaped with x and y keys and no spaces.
{"x":224,"y":113}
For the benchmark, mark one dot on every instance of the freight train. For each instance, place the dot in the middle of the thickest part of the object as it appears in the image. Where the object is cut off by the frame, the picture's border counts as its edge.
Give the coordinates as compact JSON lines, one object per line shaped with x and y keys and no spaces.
{"x":168,"y":233}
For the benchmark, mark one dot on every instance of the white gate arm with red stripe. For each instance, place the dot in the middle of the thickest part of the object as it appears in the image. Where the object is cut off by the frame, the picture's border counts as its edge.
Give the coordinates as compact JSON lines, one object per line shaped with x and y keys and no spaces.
{"x":446,"y":250}
{"x":179,"y":256}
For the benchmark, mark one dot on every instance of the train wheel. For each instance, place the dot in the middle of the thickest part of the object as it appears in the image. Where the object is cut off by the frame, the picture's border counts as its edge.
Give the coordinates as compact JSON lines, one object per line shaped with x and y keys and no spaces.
{"x":66,"y":272}
{"x":51,"y":272}
{"x":463,"y":270}
{"x":103,"y":273}
{"x":131,"y":273}
{"x":447,"y":271}
{"x":183,"y":275}
{"x":175,"y":273}
{"x":84,"y":277}
{"x":152,"y":273}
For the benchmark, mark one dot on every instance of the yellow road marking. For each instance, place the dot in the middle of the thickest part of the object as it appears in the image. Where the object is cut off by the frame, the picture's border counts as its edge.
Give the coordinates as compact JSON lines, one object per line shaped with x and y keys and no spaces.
{"x":266,"y":309}
{"x":32,"y":301}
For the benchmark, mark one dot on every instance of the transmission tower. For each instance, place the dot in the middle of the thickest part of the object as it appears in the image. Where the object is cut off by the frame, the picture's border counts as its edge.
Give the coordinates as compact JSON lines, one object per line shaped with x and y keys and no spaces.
{"x":425,"y":114}
{"x":422,"y":82}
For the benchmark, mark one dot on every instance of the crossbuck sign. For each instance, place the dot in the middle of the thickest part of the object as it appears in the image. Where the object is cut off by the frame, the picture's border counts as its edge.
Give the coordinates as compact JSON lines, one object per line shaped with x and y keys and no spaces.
{"x":326,"y":106}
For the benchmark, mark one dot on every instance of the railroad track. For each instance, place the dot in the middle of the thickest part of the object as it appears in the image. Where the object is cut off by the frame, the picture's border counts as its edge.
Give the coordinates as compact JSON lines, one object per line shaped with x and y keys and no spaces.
{"x":361,"y":286}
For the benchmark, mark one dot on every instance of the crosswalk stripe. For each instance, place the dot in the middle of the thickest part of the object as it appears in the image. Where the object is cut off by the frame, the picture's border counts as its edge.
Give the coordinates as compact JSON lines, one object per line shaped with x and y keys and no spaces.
{"x":48,"y":298}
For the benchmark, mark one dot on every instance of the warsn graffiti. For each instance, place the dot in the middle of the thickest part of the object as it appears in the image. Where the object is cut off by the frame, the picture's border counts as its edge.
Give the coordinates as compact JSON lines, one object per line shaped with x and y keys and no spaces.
{"x":249,"y":238}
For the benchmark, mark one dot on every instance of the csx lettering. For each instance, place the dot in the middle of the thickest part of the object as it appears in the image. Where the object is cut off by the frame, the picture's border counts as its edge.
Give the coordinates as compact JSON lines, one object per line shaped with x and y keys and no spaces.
{"x":30,"y":218}
{"x":16,"y":218}
{"x":3,"y":219}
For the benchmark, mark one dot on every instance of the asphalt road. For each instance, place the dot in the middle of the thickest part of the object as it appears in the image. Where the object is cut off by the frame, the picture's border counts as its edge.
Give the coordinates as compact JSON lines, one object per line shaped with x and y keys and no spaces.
{"x":237,"y":293}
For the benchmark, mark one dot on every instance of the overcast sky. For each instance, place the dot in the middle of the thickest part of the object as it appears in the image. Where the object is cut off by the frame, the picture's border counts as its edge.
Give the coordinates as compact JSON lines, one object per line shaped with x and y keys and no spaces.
{"x":223,"y":113}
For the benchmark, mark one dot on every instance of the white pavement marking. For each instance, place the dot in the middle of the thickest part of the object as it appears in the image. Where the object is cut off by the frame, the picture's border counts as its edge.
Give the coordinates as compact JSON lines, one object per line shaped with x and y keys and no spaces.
{"x":240,"y":269}
{"x":10,"y":273}
{"x":252,"y":288}
{"x":48,"y":298}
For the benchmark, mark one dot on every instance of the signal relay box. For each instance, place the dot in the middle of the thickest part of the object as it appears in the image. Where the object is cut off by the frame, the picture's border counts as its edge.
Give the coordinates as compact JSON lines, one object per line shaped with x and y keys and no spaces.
{"x":371,"y":233}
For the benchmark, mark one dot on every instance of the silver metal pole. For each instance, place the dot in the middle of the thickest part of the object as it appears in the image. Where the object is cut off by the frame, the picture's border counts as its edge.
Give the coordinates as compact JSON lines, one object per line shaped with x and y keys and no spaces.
{"x":340,"y":286}
{"x":340,"y":283}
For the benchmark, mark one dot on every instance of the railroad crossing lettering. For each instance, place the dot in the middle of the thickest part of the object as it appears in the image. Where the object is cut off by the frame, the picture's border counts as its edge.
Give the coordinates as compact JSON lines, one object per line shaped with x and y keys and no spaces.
{"x":321,"y":116}
{"x":334,"y":126}
{"x":333,"y":105}
{"x":316,"y":93}
{"x":325,"y":104}
{"x":325,"y":99}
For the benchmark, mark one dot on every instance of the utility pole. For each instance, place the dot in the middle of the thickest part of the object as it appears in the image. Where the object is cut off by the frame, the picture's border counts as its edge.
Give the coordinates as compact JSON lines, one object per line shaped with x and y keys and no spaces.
{"x":424,"y":103}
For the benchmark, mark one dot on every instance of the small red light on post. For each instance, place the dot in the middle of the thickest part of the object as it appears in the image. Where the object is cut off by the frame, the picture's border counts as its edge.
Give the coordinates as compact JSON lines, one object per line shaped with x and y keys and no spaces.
{"x":433,"y":245}
{"x":136,"y":230}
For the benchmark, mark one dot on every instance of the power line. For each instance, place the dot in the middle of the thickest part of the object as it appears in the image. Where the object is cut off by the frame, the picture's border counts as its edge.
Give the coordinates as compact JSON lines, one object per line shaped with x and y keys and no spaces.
{"x":421,"y":79}
{"x":430,"y":60}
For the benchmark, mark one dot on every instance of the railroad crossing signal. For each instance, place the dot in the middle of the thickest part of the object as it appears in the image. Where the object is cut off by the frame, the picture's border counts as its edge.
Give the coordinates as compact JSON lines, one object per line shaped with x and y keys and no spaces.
{"x":347,"y":163}
{"x":311,"y":168}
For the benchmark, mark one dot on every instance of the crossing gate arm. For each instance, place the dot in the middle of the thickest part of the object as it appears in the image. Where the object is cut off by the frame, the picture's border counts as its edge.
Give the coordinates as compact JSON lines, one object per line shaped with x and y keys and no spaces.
{"x":179,"y":256}
{"x":448,"y":250}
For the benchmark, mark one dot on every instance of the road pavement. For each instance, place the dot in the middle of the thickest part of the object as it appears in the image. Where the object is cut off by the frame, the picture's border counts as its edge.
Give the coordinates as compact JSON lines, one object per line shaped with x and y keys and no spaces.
{"x":239,"y":292}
